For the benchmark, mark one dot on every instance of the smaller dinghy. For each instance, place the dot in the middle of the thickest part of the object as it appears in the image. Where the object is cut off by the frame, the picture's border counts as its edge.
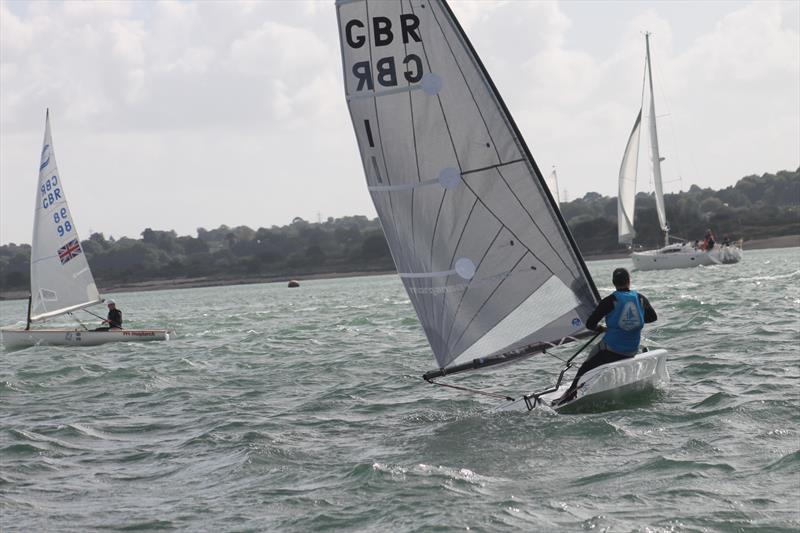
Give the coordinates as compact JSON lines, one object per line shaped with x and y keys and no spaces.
{"x":61,"y":280}
{"x":20,"y":338}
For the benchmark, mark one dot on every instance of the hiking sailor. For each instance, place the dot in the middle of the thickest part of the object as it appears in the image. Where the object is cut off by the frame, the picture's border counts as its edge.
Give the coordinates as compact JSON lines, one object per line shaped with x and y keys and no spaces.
{"x":626,"y":312}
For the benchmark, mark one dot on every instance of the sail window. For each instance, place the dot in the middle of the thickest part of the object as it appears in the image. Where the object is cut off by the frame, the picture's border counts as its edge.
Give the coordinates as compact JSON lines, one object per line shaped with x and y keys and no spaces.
{"x":48,"y":296}
{"x":431,"y":83}
{"x":552,"y":300}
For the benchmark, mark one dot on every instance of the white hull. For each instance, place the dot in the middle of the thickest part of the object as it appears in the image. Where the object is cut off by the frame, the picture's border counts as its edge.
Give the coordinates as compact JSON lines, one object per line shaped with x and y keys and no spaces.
{"x":685,"y":256}
{"x":605,"y":383}
{"x":19,"y":338}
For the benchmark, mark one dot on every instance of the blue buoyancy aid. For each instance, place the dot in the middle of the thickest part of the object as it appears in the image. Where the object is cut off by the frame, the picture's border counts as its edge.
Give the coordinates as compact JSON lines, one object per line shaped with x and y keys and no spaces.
{"x":624,"y":324}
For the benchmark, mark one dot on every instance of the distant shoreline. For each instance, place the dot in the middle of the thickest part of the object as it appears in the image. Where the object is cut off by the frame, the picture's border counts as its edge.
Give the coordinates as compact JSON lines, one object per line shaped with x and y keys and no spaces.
{"x":786,"y":241}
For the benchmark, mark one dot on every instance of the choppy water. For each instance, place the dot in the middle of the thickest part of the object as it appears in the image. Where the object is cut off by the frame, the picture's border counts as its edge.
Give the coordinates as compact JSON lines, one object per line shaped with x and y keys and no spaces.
{"x":303,"y":410}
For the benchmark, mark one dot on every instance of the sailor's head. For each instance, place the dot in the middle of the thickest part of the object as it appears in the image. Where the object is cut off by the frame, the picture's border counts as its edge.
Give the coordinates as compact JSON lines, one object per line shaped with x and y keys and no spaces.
{"x":111,"y":304}
{"x":621,"y":278}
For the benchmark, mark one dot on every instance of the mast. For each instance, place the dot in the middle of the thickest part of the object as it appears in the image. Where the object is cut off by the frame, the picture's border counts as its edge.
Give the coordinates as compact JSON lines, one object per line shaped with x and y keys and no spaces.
{"x":662,"y":216}
{"x":28,"y":319}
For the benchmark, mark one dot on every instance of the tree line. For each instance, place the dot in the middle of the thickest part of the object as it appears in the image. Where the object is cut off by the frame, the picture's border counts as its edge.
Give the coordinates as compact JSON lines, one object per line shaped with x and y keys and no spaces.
{"x":756,"y":207}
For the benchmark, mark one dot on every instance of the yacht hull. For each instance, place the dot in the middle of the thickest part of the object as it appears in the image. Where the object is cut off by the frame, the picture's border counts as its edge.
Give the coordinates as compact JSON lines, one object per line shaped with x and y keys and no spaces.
{"x":685,"y":256}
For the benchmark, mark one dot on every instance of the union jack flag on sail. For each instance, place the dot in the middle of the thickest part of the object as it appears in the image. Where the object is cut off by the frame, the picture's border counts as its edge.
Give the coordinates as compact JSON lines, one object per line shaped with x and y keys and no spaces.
{"x":69,"y":250}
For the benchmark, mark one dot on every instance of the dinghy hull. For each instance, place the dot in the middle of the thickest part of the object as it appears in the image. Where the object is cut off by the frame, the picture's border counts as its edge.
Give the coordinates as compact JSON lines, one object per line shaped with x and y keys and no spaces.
{"x":614,"y":381}
{"x":18,"y":338}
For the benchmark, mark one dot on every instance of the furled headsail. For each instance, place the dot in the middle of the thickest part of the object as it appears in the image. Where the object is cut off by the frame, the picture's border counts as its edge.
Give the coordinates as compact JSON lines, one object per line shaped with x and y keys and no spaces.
{"x":61,"y":280}
{"x":477,"y":238}
{"x":626,"y":196}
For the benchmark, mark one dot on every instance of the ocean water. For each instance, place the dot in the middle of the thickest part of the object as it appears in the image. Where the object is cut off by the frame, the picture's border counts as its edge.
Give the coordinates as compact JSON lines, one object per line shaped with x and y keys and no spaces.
{"x":303,"y":410}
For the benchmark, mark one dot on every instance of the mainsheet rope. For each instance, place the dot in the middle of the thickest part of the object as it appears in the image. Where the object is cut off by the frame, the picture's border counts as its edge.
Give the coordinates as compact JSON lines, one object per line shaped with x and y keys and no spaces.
{"x":568,"y":365}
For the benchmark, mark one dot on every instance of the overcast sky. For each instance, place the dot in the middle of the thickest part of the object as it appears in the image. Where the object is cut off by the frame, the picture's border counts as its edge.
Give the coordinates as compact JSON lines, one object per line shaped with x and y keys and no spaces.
{"x":179,"y":115}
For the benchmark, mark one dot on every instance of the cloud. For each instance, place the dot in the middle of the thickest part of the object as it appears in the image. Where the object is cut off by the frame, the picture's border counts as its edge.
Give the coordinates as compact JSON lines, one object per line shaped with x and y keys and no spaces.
{"x":202,"y":113}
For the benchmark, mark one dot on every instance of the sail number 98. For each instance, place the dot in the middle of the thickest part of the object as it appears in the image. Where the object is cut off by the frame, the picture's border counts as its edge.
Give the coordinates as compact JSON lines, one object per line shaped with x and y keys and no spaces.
{"x":63,"y":226}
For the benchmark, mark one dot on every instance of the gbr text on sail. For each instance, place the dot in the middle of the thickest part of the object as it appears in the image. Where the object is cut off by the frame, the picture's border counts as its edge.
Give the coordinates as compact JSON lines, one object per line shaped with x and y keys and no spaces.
{"x":379,"y":32}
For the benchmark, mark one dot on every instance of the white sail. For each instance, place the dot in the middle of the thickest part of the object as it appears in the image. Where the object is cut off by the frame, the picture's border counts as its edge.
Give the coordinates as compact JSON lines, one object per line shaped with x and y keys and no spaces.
{"x":626,"y":196}
{"x":60,"y":277}
{"x":654,"y":152}
{"x":480,"y":246}
{"x":552,"y":184}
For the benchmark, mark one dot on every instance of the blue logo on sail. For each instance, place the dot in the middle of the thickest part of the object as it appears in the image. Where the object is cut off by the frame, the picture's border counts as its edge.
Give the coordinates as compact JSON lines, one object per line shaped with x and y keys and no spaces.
{"x":45,"y":152}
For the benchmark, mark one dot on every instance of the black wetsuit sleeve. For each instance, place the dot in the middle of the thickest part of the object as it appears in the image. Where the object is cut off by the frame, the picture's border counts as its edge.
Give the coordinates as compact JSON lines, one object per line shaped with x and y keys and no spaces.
{"x":649,"y":313}
{"x":605,"y":306}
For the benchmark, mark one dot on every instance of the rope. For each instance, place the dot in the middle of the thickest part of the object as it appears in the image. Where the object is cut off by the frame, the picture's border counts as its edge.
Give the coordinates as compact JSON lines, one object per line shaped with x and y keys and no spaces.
{"x":527,"y":398}
{"x":78,"y":321}
{"x":474,"y":391}
{"x":98,"y":316}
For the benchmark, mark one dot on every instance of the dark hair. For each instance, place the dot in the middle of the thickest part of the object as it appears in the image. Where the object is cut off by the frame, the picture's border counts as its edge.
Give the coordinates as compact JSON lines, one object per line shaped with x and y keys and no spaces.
{"x":621,"y":278}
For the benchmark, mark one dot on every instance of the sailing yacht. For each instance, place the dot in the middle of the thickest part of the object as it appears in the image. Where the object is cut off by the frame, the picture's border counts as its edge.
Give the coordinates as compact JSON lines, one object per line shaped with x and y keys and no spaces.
{"x":680,"y":254}
{"x":479,"y":243}
{"x":61,"y":280}
{"x":552,"y":184}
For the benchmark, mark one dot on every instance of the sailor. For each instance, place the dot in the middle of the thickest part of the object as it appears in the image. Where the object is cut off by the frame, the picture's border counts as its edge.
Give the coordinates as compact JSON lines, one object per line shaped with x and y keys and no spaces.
{"x":114,"y":319}
{"x":708,"y":240}
{"x":626,"y":312}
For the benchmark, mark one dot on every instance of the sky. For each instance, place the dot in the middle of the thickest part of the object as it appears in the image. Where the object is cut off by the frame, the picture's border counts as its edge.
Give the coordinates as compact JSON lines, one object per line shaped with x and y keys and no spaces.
{"x":179,"y":115}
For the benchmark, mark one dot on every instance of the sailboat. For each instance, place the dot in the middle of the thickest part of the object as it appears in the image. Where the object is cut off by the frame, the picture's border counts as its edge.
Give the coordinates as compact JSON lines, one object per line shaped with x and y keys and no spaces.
{"x":479,"y":243}
{"x":552,"y":184}
{"x":680,"y":254}
{"x":61,"y":280}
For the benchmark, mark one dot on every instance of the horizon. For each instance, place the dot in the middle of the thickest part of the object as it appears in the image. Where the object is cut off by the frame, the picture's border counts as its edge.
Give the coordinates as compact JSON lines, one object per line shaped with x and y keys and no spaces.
{"x":170,"y":106}
{"x":372,"y":217}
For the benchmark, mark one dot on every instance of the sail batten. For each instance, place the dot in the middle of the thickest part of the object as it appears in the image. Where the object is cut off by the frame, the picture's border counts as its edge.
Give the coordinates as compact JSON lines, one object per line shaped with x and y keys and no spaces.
{"x":473,"y":229}
{"x":61,"y":280}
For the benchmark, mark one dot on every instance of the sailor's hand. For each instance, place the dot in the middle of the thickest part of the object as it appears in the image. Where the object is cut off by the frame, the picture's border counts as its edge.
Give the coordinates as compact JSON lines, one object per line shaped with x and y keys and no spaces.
{"x":600,"y":328}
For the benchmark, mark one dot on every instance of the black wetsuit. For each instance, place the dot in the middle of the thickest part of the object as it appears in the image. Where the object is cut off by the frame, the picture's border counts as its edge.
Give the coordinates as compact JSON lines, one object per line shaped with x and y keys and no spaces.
{"x":601,"y":355}
{"x":114,"y":320}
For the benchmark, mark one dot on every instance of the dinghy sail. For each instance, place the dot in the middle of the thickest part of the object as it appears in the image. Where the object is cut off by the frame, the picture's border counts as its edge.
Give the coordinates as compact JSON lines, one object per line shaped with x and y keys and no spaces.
{"x":61,"y":280}
{"x":475,"y":233}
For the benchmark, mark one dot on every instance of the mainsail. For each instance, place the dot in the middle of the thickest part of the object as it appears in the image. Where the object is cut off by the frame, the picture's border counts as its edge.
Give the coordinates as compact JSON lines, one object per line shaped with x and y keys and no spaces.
{"x":626,"y":197}
{"x":654,"y":152}
{"x":477,"y":238}
{"x":60,"y":277}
